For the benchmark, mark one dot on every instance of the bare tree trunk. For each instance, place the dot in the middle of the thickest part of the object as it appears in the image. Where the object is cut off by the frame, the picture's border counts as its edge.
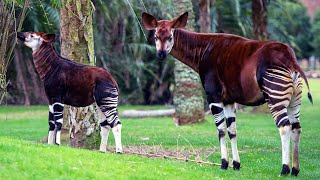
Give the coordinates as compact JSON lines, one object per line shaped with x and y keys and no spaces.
{"x":77,"y":44}
{"x":260,"y":19}
{"x":188,"y":98}
{"x":204,"y":19}
{"x":21,"y":81}
{"x":260,"y":23}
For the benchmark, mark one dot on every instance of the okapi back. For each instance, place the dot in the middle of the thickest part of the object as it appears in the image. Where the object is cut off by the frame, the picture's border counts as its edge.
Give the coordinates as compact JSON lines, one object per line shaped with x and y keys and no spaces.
{"x":235,"y":65}
{"x":73,"y":83}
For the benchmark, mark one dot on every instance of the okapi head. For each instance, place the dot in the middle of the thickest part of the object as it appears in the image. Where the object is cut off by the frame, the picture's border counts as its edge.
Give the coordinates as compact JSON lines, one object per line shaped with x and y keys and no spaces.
{"x":35,"y":39}
{"x":164,"y":31}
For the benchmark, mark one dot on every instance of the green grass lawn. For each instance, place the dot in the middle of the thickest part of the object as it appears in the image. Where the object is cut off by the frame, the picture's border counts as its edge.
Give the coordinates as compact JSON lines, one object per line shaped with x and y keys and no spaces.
{"x":258,"y":142}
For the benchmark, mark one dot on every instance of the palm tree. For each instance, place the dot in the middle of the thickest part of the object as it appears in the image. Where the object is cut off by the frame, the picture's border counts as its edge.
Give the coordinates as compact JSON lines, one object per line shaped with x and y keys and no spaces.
{"x":188,"y":98}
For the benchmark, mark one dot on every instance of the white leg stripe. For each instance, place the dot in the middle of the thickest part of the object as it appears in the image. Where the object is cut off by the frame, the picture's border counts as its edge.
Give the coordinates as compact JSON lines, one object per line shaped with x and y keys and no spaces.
{"x":223,"y":147}
{"x":104,"y":138}
{"x":57,"y":104}
{"x":216,"y":104}
{"x":60,"y":120}
{"x":235,"y":154}
{"x":58,"y":137}
{"x":218,"y":117}
{"x":229,"y":111}
{"x":117,"y":137}
{"x":50,"y":108}
{"x":50,"y":137}
{"x":285,"y":140}
{"x":286,"y":117}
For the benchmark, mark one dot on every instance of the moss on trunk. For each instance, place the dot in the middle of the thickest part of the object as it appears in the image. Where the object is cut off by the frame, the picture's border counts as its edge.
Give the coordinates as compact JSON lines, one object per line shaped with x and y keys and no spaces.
{"x":77,"y":44}
{"x":188,"y":98}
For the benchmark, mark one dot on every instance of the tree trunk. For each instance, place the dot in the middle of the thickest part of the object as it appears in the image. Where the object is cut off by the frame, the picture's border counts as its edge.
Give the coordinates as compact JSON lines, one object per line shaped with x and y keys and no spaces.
{"x":204,"y":17}
{"x":21,"y":81}
{"x":188,"y":98}
{"x":260,"y":19}
{"x":260,"y":22}
{"x":77,"y":44}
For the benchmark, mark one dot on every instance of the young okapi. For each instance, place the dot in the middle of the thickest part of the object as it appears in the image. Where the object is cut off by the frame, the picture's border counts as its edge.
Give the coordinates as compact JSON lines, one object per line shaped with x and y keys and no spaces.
{"x":67,"y":82}
{"x":234,"y":69}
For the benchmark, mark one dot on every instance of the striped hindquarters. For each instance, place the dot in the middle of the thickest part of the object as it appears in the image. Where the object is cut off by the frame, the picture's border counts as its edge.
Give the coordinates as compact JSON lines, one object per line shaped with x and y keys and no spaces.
{"x":108,"y":105}
{"x":279,"y":89}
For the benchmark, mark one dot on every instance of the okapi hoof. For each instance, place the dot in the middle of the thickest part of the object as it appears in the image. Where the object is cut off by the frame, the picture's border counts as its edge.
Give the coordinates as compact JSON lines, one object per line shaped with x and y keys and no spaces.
{"x":236,"y":165}
{"x":119,"y":152}
{"x":224,"y":164}
{"x":295,"y":171}
{"x":285,"y":170}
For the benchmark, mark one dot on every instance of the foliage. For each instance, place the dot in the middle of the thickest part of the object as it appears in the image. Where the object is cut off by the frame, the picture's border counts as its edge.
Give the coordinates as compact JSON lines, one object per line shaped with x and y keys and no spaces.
{"x":258,"y":141}
{"x":122,"y":48}
{"x":316,"y":33}
{"x":10,"y":23}
{"x":289,"y":23}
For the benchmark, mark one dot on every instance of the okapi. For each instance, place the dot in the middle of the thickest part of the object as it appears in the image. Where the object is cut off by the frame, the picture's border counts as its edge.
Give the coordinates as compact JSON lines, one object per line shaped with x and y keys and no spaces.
{"x":233,"y":70}
{"x":67,"y":82}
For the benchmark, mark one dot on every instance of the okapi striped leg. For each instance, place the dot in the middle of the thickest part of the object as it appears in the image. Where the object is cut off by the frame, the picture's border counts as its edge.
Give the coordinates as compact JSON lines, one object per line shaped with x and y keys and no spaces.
{"x":218,"y":114}
{"x":104,"y":132}
{"x":107,"y":100}
{"x":58,"y":119}
{"x":230,"y":114}
{"x":294,"y":114}
{"x":51,"y":126}
{"x":278,"y":85}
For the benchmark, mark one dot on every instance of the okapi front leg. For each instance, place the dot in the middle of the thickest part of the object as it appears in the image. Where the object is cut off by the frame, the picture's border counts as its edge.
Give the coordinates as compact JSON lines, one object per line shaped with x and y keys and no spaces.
{"x":51,"y":125}
{"x":58,"y":118}
{"x":218,"y":114}
{"x":230,"y":114}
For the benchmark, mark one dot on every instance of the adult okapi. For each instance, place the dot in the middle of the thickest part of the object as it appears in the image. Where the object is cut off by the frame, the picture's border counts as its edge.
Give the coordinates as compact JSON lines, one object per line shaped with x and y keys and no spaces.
{"x":67,"y":82}
{"x":234,"y":69}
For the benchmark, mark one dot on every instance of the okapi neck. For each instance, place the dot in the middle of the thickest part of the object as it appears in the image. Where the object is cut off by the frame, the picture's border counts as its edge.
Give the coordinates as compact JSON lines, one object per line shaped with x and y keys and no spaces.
{"x":44,"y":60}
{"x":190,"y":47}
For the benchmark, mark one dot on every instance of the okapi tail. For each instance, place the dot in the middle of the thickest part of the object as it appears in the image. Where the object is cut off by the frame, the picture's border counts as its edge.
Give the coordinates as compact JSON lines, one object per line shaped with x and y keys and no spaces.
{"x":298,"y":69}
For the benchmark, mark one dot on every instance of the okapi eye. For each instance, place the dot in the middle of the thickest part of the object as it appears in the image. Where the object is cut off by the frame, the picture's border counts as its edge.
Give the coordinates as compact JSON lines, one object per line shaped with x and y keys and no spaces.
{"x":155,"y":38}
{"x":31,"y":36}
{"x":170,"y":39}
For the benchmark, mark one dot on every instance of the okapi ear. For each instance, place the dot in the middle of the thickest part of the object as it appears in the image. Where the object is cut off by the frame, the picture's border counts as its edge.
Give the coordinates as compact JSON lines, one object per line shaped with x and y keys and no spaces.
{"x":49,"y":38}
{"x":149,"y":22}
{"x":180,"y":22}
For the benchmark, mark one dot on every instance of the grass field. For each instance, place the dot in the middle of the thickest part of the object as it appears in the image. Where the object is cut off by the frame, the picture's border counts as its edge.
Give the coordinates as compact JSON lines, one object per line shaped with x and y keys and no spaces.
{"x":258,"y":141}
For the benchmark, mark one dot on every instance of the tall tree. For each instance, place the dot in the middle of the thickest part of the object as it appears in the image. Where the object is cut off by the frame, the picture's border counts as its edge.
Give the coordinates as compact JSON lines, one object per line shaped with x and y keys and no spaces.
{"x":77,"y":44}
{"x":260,"y":19}
{"x":204,"y":16}
{"x":10,"y":23}
{"x":188,"y":98}
{"x":260,"y":22}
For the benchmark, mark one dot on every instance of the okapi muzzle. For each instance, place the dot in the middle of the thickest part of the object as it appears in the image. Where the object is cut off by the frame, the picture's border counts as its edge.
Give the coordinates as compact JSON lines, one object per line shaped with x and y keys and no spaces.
{"x":21,"y":36}
{"x":161,"y":55}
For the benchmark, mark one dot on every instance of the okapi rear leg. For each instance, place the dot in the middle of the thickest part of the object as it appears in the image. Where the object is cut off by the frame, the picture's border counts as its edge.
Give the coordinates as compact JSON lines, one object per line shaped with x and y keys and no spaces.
{"x":278,"y":86}
{"x":230,"y":114}
{"x":218,"y":114}
{"x":104,"y":132}
{"x":106,"y":96}
{"x":58,"y":119}
{"x":294,"y":114}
